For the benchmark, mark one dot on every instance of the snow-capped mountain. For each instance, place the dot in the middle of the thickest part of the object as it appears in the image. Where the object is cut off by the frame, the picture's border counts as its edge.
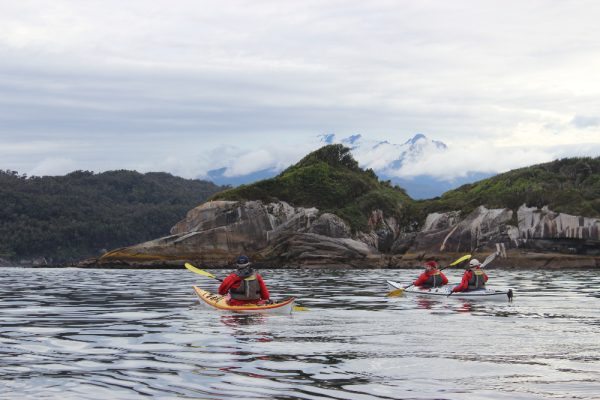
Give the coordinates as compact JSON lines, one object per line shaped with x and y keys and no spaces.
{"x":393,"y":161}
{"x":385,"y":157}
{"x":398,"y":163}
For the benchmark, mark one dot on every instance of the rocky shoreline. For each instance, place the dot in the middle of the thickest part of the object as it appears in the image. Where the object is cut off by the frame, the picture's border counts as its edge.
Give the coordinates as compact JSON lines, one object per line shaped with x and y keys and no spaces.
{"x":514,"y":260}
{"x":277,"y":235}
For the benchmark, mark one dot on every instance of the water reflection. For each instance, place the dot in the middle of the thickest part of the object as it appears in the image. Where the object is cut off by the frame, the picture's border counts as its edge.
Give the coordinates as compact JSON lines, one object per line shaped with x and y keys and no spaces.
{"x":237,"y":320}
{"x":122,"y":334}
{"x":239,"y":324}
{"x":426,"y":303}
{"x":464,"y":307}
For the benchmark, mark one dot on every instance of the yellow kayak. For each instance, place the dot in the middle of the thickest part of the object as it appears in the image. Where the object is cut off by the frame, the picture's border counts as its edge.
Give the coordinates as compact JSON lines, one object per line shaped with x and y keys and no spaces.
{"x":220,"y":302}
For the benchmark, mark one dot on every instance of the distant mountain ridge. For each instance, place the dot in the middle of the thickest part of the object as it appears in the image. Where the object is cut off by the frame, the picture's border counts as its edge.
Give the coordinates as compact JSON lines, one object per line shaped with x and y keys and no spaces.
{"x":386,"y":159}
{"x":396,"y":155}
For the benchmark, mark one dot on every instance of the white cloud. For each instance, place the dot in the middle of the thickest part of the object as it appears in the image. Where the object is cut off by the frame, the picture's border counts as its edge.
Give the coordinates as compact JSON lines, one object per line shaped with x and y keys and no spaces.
{"x":250,"y":162}
{"x":27,"y":148}
{"x":240,"y":162}
{"x":377,"y":158}
{"x":53,"y":166}
{"x":461,"y":160}
{"x":190,"y":86}
{"x":584,"y":121}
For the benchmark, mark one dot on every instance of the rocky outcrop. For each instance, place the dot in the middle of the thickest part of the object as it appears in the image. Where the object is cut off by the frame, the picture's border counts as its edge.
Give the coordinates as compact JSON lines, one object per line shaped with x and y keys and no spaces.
{"x":384,"y":231}
{"x":216,"y":232}
{"x":543,"y":223}
{"x":280,"y":235}
{"x":545,"y":230}
{"x":309,"y":249}
{"x":480,"y":230}
{"x":488,"y":230}
{"x":330,"y":225}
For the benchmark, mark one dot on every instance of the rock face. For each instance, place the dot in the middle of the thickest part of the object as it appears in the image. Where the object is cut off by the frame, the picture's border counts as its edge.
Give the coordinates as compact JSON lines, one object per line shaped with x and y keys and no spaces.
{"x":216,"y":232}
{"x":536,"y":224}
{"x":480,"y":230}
{"x":547,"y":230}
{"x":488,"y":230}
{"x":280,"y":235}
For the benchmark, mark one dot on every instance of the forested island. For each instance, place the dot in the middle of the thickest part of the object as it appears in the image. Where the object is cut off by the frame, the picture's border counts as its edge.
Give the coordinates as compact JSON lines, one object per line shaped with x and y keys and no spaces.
{"x":327,"y":211}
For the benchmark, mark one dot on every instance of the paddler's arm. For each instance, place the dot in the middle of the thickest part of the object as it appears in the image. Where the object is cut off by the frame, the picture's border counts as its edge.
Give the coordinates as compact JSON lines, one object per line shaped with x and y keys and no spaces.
{"x":421,"y":279}
{"x":226,"y":284}
{"x":464,"y":284}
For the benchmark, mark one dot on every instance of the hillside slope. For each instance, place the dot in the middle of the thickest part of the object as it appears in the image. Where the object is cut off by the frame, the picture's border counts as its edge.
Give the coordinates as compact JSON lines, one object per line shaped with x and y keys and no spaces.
{"x":570,"y":185}
{"x":77,"y":215}
{"x":330,"y":180}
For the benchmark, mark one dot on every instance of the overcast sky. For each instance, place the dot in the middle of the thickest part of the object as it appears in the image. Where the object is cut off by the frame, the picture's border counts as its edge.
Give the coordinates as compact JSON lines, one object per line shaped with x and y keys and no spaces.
{"x":186,"y":86}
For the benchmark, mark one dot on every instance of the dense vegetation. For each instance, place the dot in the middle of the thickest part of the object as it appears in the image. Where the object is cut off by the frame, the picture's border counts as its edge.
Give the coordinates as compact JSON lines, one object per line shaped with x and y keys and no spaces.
{"x":331,"y":180}
{"x":570,"y":185}
{"x":77,"y":215}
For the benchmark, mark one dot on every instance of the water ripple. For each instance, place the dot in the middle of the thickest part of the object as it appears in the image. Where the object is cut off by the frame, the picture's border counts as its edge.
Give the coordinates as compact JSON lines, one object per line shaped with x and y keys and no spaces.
{"x":88,"y":334}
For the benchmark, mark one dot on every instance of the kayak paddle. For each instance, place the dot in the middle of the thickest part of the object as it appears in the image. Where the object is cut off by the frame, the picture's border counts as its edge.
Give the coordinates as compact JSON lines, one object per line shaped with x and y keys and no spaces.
{"x":209,"y":275}
{"x":488,"y":260}
{"x":201,"y":272}
{"x":400,"y":291}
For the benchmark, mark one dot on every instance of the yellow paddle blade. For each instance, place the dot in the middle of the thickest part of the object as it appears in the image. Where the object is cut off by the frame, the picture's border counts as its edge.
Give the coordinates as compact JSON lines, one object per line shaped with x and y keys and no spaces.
{"x":395,"y":293}
{"x":463,"y":258}
{"x":299,"y":308}
{"x":199,"y":271}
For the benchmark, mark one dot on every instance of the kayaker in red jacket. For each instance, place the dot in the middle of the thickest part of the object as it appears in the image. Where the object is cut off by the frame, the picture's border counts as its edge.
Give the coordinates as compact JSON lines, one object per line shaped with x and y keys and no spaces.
{"x":244,"y":285}
{"x":432,"y":277}
{"x":473,"y":278}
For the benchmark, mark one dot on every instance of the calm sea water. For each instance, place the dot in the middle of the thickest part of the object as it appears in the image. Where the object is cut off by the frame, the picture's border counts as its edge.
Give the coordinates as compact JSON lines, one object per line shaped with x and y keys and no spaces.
{"x":89,"y":334}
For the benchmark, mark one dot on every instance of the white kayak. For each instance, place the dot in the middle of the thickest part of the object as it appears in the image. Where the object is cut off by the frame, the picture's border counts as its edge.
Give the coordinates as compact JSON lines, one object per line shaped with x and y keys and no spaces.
{"x":489,"y":294}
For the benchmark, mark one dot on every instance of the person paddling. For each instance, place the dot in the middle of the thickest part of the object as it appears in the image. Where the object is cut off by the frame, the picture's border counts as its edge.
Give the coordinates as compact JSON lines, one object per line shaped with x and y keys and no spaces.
{"x":474,"y":278}
{"x":244,"y":285}
{"x":432,"y":277}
